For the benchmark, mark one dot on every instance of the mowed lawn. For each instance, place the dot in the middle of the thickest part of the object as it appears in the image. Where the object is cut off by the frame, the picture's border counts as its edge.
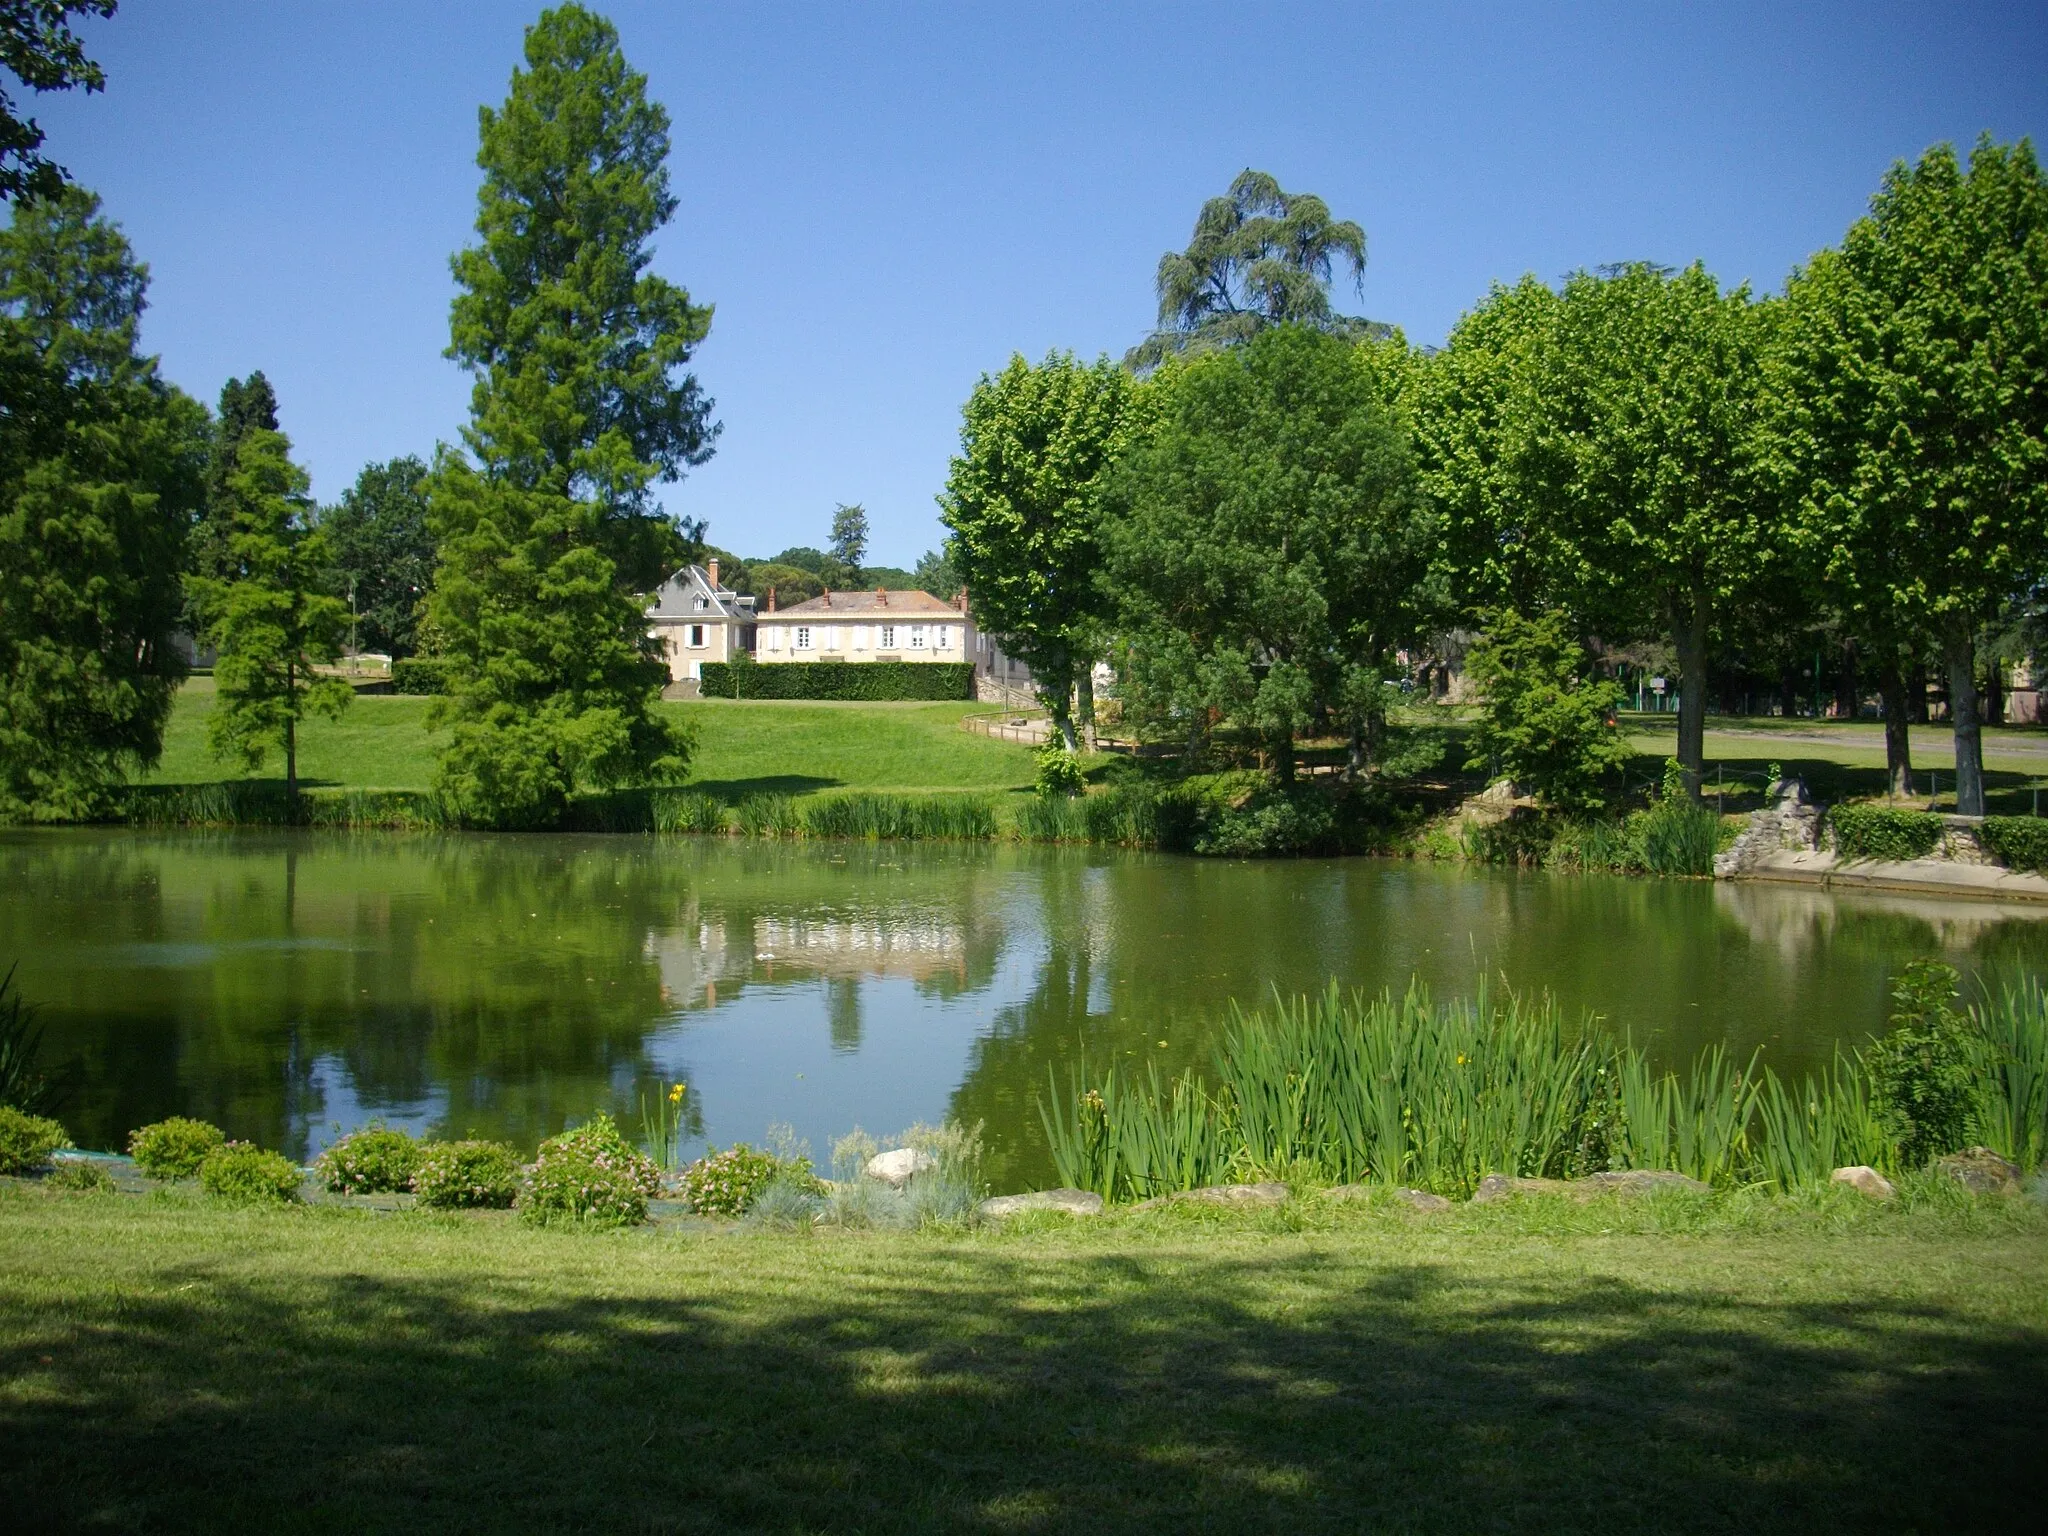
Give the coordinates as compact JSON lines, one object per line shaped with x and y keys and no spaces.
{"x":743,"y":747}
{"x":1666,"y":1366}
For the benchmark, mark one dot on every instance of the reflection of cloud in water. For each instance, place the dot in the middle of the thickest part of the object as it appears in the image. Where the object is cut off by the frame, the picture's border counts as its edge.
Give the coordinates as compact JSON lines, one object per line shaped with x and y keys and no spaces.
{"x":336,"y":1106}
{"x":1794,"y":920}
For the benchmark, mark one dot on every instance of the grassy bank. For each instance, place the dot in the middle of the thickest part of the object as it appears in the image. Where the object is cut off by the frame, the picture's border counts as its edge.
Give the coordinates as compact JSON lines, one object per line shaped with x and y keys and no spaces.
{"x":1677,"y":1363}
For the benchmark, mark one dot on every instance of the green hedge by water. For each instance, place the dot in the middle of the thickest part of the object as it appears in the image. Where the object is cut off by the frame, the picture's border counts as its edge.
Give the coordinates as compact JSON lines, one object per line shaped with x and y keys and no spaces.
{"x":1879,"y":832}
{"x":420,"y":674}
{"x":2019,"y":842}
{"x":874,"y":681}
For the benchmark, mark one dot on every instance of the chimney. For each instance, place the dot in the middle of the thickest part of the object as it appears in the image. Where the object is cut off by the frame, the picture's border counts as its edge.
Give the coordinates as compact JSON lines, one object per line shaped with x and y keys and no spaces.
{"x":881,"y":597}
{"x":828,"y":597}
{"x":771,"y":599}
{"x":960,"y":602}
{"x":711,"y":571}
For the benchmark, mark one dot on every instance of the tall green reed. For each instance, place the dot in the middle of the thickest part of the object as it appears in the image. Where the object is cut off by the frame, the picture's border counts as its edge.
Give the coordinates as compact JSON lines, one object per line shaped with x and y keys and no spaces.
{"x":912,"y":817}
{"x":2012,"y":1099}
{"x":1697,"y":1125}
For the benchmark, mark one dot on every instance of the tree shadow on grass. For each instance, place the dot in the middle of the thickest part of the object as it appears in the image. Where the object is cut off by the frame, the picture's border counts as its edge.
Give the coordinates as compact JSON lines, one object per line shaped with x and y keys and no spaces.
{"x":732,"y":791}
{"x":969,"y":1388}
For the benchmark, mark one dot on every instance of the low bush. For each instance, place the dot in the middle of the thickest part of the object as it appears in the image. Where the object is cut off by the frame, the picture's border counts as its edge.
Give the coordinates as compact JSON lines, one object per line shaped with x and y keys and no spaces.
{"x":1270,"y":822}
{"x":81,"y":1177}
{"x":864,"y":680}
{"x":1059,"y":773}
{"x":244,"y":1174}
{"x":466,"y":1175}
{"x":589,"y":1174}
{"x":26,"y":1141}
{"x":1923,"y":1071}
{"x":174,"y":1148}
{"x":1879,"y":832}
{"x":373,"y":1161}
{"x":421,"y":674}
{"x":728,"y":1183}
{"x":2018,"y":842}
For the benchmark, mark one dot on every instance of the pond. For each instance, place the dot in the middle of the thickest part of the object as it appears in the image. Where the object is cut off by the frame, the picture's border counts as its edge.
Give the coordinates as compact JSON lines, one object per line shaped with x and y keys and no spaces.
{"x":291,"y":986}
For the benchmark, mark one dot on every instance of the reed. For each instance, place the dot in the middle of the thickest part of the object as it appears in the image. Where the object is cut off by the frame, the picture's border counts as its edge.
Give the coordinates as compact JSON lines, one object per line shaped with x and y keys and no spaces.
{"x":767,"y":816}
{"x":1698,"y":1125}
{"x":249,"y":803}
{"x":1827,"y":1122}
{"x":2012,"y":1103}
{"x":1128,"y":1142}
{"x":1677,"y":837}
{"x":900,"y":817}
{"x":674,"y":812}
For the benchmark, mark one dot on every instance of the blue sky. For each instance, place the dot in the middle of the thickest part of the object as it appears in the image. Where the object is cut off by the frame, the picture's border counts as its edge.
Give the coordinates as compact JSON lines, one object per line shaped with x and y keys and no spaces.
{"x":885,"y":201}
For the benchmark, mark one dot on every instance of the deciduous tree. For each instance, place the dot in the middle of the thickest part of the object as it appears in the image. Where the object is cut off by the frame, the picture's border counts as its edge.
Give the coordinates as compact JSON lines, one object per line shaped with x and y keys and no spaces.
{"x":1023,"y":501}
{"x":549,"y":531}
{"x":850,"y":540}
{"x":1912,"y":420}
{"x":41,"y":51}
{"x":382,"y":553}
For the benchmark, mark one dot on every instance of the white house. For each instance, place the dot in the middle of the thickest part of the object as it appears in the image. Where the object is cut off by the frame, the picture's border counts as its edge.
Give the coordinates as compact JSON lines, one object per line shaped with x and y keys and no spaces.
{"x":866,"y":626}
{"x":696,"y":620}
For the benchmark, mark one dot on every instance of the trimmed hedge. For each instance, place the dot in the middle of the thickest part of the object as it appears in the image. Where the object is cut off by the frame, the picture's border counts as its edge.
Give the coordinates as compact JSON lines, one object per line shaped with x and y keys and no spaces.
{"x":1878,"y":832}
{"x":871,"y":681}
{"x":421,"y":674}
{"x":2020,"y":842}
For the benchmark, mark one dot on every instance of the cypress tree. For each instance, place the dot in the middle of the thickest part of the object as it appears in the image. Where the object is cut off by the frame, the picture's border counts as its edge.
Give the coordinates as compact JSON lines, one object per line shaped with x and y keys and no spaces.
{"x":548,"y":528}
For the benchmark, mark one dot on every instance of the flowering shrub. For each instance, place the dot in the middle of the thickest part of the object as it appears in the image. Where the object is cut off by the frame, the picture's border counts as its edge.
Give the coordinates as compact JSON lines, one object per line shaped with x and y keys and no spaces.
{"x":374,"y":1160}
{"x":728,"y":1183}
{"x":174,"y":1148}
{"x":456,"y":1175}
{"x":26,"y":1141}
{"x":245,"y":1174}
{"x":589,"y":1173}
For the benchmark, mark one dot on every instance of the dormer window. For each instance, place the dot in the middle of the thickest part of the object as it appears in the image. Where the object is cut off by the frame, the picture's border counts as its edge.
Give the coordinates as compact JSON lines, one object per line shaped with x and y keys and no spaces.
{"x":702,"y":603}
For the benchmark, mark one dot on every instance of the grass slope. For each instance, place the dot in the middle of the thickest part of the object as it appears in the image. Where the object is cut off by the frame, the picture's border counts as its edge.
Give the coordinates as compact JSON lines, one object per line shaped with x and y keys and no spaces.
{"x":744,"y":747}
{"x":1670,"y":1365}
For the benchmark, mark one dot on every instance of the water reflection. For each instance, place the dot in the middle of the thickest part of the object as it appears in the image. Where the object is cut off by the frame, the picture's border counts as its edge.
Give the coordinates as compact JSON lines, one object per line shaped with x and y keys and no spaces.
{"x":285,"y":985}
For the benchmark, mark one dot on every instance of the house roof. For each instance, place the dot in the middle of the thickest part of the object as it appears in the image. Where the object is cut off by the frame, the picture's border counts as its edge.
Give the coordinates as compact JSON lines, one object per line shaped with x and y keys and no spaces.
{"x":689,"y":595}
{"x":875,"y":604}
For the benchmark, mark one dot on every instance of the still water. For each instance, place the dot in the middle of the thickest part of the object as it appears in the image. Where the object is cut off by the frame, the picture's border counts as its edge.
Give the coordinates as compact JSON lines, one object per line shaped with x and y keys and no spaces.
{"x":292,"y":986}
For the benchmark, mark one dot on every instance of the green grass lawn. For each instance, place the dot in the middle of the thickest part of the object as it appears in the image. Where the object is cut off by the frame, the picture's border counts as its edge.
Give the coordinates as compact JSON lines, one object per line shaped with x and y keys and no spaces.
{"x":752,"y":746}
{"x":1724,"y":1364}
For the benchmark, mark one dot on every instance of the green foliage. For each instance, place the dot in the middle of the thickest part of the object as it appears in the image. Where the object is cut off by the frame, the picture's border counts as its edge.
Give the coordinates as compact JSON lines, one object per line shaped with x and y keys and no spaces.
{"x":1268,"y":542}
{"x":1259,"y":257}
{"x":675,"y":811}
{"x":1675,"y":835}
{"x":381,"y":554}
{"x":1023,"y":500}
{"x":1545,"y":722}
{"x":174,"y":1148}
{"x":100,"y":473}
{"x":667,"y":1123}
{"x":1909,"y":410}
{"x":1058,"y":774}
{"x":466,"y":1175}
{"x":1273,"y":821}
{"x":728,"y":1183}
{"x":868,"y":680}
{"x":850,"y":540}
{"x":421,"y":674}
{"x":767,"y":816}
{"x":257,"y":803}
{"x":40,"y":50}
{"x":269,"y":623}
{"x":589,"y":1174}
{"x":937,"y":574}
{"x":1923,"y":1070}
{"x":244,"y":1174}
{"x":2011,"y":1115}
{"x":578,"y":411}
{"x":82,"y":1176}
{"x":1879,"y":832}
{"x":22,"y":1084}
{"x":373,"y":1161}
{"x":26,"y":1141}
{"x":1130,"y":1141}
{"x":1827,"y":1122}
{"x":1697,"y":1125}
{"x":964,"y":817}
{"x":2019,"y":842}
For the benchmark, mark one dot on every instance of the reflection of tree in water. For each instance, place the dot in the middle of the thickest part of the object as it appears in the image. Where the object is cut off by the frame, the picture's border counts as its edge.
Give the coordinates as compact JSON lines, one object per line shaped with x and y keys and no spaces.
{"x":842,"y":1012}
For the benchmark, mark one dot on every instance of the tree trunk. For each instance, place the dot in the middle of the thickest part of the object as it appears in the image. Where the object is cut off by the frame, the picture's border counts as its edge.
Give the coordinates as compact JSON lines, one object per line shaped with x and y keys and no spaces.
{"x":1354,"y":759}
{"x":1788,"y":692}
{"x":1848,"y":689}
{"x":1992,"y":710}
{"x":1059,"y":703}
{"x":291,"y":737}
{"x":1916,"y":693}
{"x":1084,"y":698}
{"x":1283,"y":757}
{"x":1898,"y":740}
{"x":1690,"y":632}
{"x":1961,"y":655}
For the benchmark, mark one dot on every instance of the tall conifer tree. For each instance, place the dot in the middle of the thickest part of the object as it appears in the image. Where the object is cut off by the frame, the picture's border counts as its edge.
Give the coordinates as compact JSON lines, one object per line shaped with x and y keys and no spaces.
{"x":548,"y":529}
{"x":100,"y":474}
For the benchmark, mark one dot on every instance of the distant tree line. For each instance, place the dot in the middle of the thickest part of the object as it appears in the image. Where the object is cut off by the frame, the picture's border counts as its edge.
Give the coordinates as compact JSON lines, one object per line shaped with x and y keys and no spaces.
{"x":1272,"y":511}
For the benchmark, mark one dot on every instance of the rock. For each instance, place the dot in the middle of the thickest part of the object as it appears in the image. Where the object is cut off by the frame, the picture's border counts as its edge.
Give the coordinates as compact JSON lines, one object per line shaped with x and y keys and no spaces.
{"x":1419,"y":1199}
{"x":1629,"y":1181}
{"x":1074,"y":1202}
{"x":1222,"y":1194}
{"x":899,"y":1167}
{"x":1791,"y":821}
{"x":1981,"y":1171}
{"x":1865,"y":1181}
